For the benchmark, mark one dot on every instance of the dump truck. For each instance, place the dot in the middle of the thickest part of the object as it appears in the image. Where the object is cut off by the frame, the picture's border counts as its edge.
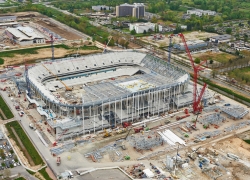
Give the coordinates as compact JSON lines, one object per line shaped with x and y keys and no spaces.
{"x":58,"y":161}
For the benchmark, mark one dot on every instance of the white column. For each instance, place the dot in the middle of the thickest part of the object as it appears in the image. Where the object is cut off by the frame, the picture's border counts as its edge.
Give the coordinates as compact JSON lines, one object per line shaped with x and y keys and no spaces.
{"x":127,"y":108}
{"x":132,"y":108}
{"x":115,"y":113}
{"x":148,"y":102}
{"x":102,"y":115}
{"x":83,"y":127}
{"x":121,"y":110}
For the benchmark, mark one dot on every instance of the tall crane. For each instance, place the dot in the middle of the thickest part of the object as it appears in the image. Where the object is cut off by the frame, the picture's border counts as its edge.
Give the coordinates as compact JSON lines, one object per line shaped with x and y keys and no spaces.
{"x":197,"y":96}
{"x":105,"y":47}
{"x":66,"y":87}
{"x":197,"y":106}
{"x":170,"y":48}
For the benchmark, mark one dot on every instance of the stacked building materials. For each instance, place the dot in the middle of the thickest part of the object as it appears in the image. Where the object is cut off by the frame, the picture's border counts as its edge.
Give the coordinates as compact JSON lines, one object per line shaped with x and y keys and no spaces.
{"x":171,"y":138}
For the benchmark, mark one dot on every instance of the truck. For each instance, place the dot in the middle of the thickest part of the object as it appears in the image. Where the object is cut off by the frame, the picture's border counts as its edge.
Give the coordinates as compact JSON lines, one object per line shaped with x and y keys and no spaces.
{"x":58,"y":161}
{"x":21,"y":113}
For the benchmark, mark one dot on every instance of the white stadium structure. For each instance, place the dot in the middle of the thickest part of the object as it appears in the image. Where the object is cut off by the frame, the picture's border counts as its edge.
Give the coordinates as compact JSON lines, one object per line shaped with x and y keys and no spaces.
{"x":107,"y":90}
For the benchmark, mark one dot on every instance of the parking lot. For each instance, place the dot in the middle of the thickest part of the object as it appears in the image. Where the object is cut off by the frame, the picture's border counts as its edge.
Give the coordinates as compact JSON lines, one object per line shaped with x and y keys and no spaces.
{"x":8,"y":159}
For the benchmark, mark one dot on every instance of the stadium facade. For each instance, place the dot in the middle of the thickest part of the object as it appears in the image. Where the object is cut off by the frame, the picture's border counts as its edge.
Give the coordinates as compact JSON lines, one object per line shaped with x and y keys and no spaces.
{"x":107,"y":90}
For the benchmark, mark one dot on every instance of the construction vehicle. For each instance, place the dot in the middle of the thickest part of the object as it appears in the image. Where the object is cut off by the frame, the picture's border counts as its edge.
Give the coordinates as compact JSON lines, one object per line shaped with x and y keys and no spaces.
{"x":66,"y":87}
{"x":193,"y":154}
{"x":215,"y":153}
{"x":106,"y":133}
{"x":138,"y":129}
{"x":21,"y":113}
{"x":120,"y":130}
{"x":126,"y":124}
{"x":182,"y":117}
{"x":58,"y":160}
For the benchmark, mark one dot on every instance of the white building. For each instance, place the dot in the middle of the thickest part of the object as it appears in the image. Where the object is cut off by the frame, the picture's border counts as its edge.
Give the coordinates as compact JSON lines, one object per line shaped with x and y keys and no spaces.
{"x":200,"y":12}
{"x":140,"y":27}
{"x":221,"y":38}
{"x":101,"y":8}
{"x":25,"y":35}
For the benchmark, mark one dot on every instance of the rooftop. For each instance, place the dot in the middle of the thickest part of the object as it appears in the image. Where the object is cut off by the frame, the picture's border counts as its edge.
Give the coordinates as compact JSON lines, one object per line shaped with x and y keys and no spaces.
{"x":133,"y":5}
{"x":105,"y":77}
{"x":25,"y":33}
{"x":222,"y":37}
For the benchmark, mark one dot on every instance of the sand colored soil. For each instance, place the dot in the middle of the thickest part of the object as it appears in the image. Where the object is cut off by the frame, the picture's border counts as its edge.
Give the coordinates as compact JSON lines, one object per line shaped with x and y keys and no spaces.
{"x":235,"y":146}
{"x":43,"y":54}
{"x":58,"y":30}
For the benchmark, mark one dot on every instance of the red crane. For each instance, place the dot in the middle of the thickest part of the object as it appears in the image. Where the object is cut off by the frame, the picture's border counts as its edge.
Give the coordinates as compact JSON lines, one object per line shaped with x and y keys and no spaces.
{"x":197,"y":107}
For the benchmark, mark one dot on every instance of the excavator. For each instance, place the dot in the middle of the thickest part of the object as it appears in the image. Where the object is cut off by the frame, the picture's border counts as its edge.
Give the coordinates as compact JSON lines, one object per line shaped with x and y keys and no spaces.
{"x":66,"y":87}
{"x":106,"y":133}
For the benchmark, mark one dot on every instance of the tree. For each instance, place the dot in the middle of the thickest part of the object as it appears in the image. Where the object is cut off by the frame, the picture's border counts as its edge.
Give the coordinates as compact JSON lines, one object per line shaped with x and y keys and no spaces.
{"x":229,"y":30}
{"x":197,"y":60}
{"x":133,"y":32}
{"x":144,"y":32}
{"x":211,"y":61}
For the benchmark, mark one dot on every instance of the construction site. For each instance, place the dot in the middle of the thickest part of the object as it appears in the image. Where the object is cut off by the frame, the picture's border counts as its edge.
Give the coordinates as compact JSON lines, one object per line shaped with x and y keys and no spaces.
{"x":131,"y":110}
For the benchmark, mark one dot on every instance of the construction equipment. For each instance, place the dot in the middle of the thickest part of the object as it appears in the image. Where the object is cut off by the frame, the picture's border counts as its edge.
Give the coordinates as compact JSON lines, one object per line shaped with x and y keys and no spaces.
{"x":127,"y":134}
{"x":138,"y":129}
{"x":182,"y":117}
{"x":193,"y":154}
{"x":126,"y":124}
{"x":105,"y":47}
{"x":197,"y":108}
{"x":58,"y":160}
{"x":55,"y":143}
{"x":106,"y":133}
{"x":66,"y":87}
{"x":120,"y":130}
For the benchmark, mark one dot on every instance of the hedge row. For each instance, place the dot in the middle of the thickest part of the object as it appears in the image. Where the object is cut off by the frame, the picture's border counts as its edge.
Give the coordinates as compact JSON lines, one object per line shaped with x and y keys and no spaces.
{"x":25,"y":140}
{"x":229,"y":91}
{"x":6,"y":110}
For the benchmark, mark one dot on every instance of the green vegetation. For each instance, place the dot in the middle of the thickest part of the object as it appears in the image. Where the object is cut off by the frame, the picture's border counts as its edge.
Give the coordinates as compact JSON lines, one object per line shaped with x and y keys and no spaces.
{"x":28,"y":51}
{"x":30,"y":172}
{"x":89,"y":47}
{"x":241,"y":75}
{"x":5,"y":109}
{"x":29,"y":147}
{"x":247,"y":141}
{"x":20,"y":178}
{"x":228,"y":91}
{"x":44,"y":173}
{"x":219,"y":57}
{"x":1,"y":61}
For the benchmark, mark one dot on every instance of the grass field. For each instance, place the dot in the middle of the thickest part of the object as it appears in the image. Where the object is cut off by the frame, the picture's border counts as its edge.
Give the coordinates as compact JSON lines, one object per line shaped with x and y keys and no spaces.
{"x":44,"y":173}
{"x":20,"y":178}
{"x":29,"y":147}
{"x":241,"y":75}
{"x":6,"y":110}
{"x":219,"y":57}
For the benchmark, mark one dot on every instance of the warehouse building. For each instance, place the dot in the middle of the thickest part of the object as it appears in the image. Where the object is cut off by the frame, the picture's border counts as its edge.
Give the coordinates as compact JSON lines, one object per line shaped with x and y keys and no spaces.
{"x":135,"y":10}
{"x":141,"y":27}
{"x":25,"y":36}
{"x":221,"y":38}
{"x":191,"y":45}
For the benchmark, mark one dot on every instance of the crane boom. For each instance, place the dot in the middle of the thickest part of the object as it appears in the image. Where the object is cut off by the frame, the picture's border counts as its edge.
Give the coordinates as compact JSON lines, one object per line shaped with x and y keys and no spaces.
{"x":196,"y":68}
{"x":66,"y":87}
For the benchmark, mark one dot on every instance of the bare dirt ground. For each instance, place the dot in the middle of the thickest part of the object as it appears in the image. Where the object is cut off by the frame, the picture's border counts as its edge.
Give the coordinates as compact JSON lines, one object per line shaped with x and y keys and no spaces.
{"x":58,"y":30}
{"x":43,"y":54}
{"x":196,"y":35}
{"x":133,"y":46}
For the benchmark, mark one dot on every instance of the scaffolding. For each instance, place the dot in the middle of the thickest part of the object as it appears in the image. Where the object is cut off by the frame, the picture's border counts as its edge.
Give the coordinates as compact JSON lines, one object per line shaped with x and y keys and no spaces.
{"x":214,"y":118}
{"x":235,"y":112}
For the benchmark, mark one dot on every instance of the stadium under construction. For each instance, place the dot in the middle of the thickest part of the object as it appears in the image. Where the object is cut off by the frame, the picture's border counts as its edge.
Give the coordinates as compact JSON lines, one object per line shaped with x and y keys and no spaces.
{"x":89,"y":93}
